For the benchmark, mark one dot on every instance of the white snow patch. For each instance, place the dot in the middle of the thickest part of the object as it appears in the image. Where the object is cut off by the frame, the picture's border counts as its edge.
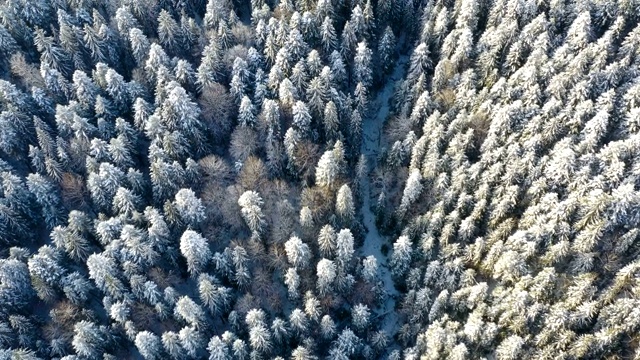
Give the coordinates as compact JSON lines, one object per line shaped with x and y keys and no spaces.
{"x":371,"y":139}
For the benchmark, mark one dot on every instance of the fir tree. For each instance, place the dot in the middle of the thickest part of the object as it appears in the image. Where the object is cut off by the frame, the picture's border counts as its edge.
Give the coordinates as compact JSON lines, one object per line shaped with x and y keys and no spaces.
{"x":196,"y":251}
{"x":298,"y":252}
{"x":362,"y":65}
{"x":345,"y":207}
{"x":326,"y":272}
{"x":148,"y":344}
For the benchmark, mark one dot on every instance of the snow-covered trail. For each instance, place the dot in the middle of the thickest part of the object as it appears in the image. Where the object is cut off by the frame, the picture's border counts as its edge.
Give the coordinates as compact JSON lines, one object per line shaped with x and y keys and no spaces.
{"x":371,"y":138}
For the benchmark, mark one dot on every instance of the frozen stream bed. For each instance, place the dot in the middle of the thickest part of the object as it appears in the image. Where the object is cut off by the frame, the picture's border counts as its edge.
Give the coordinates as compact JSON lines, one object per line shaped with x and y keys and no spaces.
{"x":371,"y":139}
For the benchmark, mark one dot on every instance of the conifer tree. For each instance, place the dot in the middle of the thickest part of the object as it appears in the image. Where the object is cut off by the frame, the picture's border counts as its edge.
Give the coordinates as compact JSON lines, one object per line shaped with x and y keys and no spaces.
{"x":327,"y":240}
{"x":301,"y":118}
{"x":246,"y":113}
{"x":218,"y":350}
{"x":327,"y":170}
{"x":292,"y":280}
{"x":148,"y":344}
{"x":250,"y":202}
{"x":370,"y":268}
{"x":211,"y":65}
{"x":89,"y":339}
{"x":360,"y":316}
{"x":345,"y":207}
{"x":344,"y":247}
{"x":47,"y":197}
{"x":362,"y":65}
{"x":401,"y":257}
{"x":331,"y":121}
{"x":213,"y":295}
{"x":328,"y":36}
{"x":190,"y":312}
{"x":386,"y":50}
{"x":196,"y":251}
{"x":191,"y":340}
{"x":189,"y":207}
{"x":411,"y":192}
{"x":168,"y":30}
{"x":298,"y":252}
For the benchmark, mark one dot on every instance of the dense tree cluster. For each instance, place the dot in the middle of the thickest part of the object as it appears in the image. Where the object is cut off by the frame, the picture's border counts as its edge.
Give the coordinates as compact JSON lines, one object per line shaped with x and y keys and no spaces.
{"x":509,"y":166}
{"x":193,"y":179}
{"x":177,"y":177}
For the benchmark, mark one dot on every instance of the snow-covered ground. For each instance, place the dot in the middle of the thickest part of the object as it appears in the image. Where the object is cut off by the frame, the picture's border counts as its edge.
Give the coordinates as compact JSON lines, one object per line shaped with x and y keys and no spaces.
{"x":372,"y":136}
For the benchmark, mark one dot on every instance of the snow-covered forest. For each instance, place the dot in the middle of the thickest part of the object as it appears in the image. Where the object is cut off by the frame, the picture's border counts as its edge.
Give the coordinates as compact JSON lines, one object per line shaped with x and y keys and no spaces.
{"x":319,"y":179}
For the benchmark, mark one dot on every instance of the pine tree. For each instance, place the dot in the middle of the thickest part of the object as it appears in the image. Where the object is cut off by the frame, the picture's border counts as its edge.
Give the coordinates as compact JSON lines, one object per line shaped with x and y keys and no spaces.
{"x":171,"y":344}
{"x":411,"y":192}
{"x":270,"y":116}
{"x":401,"y":257}
{"x":298,"y":253}
{"x":361,"y":98}
{"x":168,"y":30}
{"x":302,"y":353}
{"x":280,"y":330}
{"x":386,"y":50}
{"x":189,"y":207}
{"x":246,"y":113}
{"x":260,"y":339}
{"x":370,"y":268}
{"x":327,"y":327}
{"x":317,"y":95}
{"x":331,"y":121}
{"x":338,"y":69}
{"x":148,"y":345}
{"x":47,"y":197}
{"x":306,"y":218}
{"x":191,"y":340}
{"x":327,"y":240}
{"x":218,"y":350}
{"x":184,"y":73}
{"x":299,"y":322}
{"x":326,"y":272}
{"x":214,"y":296}
{"x":348,"y":40}
{"x":344,"y":204}
{"x":347,"y":343}
{"x":328,"y":170}
{"x":16,"y":291}
{"x":360,"y":317}
{"x":125,"y":201}
{"x":420,"y":62}
{"x":51,"y":54}
{"x":240,"y":349}
{"x":328,"y":36}
{"x":250,"y":202}
{"x":190,"y":312}
{"x":302,"y":118}
{"x":239,"y":80}
{"x":510,"y":348}
{"x":344,"y":248}
{"x":103,"y":271}
{"x":140,"y":45}
{"x":362,"y":65}
{"x":211,"y":65}
{"x":196,"y":251}
{"x":88,"y":339}
{"x":240,"y":262}
{"x":355,"y":132}
{"x":292,"y":280}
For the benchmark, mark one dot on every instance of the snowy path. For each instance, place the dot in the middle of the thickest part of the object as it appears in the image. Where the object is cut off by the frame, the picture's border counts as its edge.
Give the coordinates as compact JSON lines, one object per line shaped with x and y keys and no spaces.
{"x":372,"y":134}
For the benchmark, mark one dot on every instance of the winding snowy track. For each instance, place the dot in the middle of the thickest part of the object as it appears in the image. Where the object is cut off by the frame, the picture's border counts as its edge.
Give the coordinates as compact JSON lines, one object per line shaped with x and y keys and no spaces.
{"x":372,"y":134}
